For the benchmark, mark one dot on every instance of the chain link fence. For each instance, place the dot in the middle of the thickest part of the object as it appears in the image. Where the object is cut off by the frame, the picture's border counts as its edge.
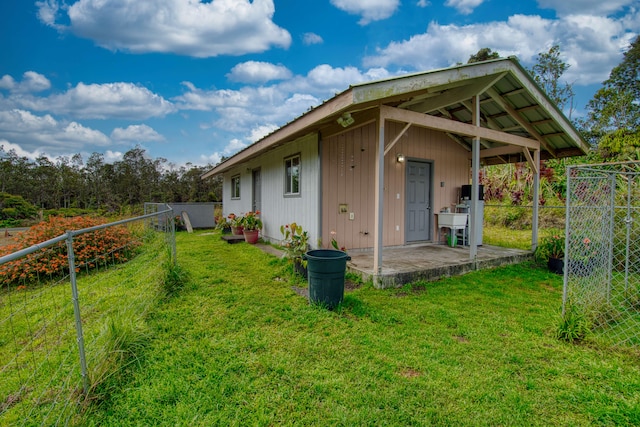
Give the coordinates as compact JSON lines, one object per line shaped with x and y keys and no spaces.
{"x":602,"y":249}
{"x":72,"y":311}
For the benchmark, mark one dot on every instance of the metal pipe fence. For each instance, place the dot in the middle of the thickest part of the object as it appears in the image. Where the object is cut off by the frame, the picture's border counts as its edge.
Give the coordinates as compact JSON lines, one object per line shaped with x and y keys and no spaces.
{"x":72,"y":311}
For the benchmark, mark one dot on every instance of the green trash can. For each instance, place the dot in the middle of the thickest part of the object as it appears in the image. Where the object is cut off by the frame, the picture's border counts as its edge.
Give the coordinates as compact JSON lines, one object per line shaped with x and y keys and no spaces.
{"x":325,"y":270}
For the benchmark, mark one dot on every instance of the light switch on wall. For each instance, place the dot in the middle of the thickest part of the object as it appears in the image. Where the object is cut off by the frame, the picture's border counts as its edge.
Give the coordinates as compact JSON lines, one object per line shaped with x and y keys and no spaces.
{"x":352,"y":216}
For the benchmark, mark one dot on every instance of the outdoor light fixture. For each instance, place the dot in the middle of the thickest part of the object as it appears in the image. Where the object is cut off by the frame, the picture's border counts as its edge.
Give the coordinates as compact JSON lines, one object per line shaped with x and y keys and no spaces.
{"x":400,"y":158}
{"x":345,"y":120}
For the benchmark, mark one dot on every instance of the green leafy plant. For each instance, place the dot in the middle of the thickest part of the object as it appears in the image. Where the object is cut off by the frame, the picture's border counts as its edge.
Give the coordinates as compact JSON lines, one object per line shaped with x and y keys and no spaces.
{"x":334,"y":242}
{"x":251,"y":221}
{"x":296,"y":240}
{"x":234,"y":220}
{"x":222,"y":223}
{"x":574,"y":325}
{"x":551,"y":247}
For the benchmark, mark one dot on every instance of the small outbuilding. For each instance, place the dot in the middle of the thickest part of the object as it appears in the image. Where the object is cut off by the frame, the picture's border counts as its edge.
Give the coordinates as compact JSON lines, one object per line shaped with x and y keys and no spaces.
{"x":375,"y":165}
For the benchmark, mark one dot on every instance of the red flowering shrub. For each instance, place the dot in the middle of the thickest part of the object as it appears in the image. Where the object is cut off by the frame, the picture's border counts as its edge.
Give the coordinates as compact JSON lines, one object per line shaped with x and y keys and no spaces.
{"x":98,"y":248}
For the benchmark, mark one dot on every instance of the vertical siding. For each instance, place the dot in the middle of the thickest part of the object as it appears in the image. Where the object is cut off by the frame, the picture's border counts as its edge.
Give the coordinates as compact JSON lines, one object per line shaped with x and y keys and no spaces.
{"x":277,"y":209}
{"x":348,"y":161}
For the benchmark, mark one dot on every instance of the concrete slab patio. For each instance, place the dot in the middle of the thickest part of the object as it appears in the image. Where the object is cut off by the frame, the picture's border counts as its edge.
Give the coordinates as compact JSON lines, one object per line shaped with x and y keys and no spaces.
{"x":430,"y":262}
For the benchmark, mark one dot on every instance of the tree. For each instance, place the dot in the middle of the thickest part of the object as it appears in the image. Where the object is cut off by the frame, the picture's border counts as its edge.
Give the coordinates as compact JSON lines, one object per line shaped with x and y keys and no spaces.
{"x":547,"y":72}
{"x":613,"y":115}
{"x":483,"y":54}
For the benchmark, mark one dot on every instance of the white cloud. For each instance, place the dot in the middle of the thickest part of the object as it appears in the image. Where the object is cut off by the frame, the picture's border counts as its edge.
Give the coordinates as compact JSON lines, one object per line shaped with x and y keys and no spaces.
{"x":31,"y":82}
{"x":369,"y":10}
{"x":183,"y":27}
{"x":20,"y":152}
{"x":595,"y":7}
{"x":311,"y":38}
{"x":7,"y":82}
{"x":591,"y":45}
{"x":465,"y":7}
{"x":423,"y":3}
{"x":48,"y":12}
{"x":258,"y":72}
{"x":46,"y":134}
{"x":136,"y":133}
{"x":113,"y":156}
{"x":260,"y":132}
{"x":100,"y":101}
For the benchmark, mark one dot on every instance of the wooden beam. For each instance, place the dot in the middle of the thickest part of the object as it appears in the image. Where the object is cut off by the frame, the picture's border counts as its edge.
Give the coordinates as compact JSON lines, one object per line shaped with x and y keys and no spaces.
{"x":454,"y":127}
{"x":532,"y":164}
{"x":518,"y":118}
{"x":499,"y":151}
{"x":392,"y":143}
{"x":458,"y":94}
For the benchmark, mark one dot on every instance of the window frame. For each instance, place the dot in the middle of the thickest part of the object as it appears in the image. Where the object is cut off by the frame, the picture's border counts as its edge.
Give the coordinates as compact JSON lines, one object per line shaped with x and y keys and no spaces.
{"x":235,"y":187}
{"x":289,"y":178}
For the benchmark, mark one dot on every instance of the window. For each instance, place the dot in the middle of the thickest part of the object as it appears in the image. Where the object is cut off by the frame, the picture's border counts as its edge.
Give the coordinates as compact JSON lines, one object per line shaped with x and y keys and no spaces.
{"x":235,"y":187}
{"x":292,"y":175}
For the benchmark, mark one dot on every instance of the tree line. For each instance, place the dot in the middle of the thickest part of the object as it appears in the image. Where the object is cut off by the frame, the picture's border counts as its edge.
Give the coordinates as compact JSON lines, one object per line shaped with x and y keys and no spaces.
{"x":72,"y":182}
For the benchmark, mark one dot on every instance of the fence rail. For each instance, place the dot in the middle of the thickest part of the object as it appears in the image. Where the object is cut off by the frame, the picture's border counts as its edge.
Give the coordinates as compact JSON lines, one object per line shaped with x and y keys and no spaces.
{"x":65,"y":325}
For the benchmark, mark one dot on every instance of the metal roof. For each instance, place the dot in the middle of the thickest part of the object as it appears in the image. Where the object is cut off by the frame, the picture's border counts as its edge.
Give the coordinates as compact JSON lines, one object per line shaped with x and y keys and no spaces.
{"x":510,"y":102}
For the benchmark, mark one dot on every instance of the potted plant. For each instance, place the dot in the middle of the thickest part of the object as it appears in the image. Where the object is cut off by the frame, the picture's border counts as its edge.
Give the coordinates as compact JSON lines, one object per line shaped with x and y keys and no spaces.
{"x":223,"y":224}
{"x":236,"y":224}
{"x":295,"y":244}
{"x":551,"y":250}
{"x":179,"y":223}
{"x":251,"y":226}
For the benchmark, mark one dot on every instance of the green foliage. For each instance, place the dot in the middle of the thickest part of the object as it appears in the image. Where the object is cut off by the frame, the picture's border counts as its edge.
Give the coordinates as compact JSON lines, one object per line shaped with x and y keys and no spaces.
{"x":620,"y":144}
{"x":94,"y":184}
{"x":483,"y":54}
{"x":574,"y":326}
{"x":296,"y":240}
{"x":251,"y":221}
{"x":548,"y":71}
{"x":613,"y":114}
{"x":175,"y":279}
{"x":15,"y":207}
{"x":551,"y":247}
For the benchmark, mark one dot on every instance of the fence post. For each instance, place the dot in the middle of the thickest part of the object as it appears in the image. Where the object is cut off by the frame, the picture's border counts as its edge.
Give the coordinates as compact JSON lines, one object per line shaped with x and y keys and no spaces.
{"x":76,"y":311}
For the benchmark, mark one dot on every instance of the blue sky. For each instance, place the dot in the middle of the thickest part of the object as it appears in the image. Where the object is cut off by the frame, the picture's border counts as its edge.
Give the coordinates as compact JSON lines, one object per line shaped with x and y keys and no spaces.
{"x":191,"y":81}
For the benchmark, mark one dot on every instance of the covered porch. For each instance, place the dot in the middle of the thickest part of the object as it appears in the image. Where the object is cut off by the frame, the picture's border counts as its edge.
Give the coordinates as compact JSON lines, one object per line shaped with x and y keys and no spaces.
{"x":428,"y":262}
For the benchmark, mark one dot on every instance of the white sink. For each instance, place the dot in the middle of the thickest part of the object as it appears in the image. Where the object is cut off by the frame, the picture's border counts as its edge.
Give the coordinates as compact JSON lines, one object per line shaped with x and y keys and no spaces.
{"x":452,"y":219}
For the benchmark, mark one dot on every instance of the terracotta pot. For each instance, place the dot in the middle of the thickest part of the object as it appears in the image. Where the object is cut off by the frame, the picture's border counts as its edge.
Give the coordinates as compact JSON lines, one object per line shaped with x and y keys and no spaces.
{"x":237,"y":230}
{"x":251,"y":236}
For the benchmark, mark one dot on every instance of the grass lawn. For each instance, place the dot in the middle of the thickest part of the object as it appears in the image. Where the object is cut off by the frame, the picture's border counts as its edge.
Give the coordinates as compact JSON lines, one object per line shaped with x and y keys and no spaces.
{"x":237,"y":346}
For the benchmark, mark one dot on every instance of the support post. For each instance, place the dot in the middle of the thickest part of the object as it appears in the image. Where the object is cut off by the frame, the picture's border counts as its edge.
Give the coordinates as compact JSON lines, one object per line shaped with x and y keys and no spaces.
{"x":76,"y":312}
{"x":536,"y":198}
{"x":475,"y":188}
{"x":379,"y":201}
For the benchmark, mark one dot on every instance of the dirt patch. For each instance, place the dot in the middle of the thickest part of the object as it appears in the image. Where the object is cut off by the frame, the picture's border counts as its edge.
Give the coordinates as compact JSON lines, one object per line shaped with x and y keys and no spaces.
{"x":7,"y":238}
{"x":410,"y":373}
{"x":461,"y":339}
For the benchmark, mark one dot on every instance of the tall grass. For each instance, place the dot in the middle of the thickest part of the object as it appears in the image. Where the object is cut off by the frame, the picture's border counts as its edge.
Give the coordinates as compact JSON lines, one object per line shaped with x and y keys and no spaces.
{"x":238,"y":346}
{"x":114,"y":304}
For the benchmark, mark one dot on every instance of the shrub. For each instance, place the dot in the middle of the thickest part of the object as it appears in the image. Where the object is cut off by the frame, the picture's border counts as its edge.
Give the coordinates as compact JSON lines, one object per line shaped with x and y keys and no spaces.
{"x":98,"y":248}
{"x":15,"y":207}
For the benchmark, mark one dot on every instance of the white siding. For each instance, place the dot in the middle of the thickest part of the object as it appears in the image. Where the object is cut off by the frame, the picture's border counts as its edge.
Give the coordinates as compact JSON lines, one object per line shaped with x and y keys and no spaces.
{"x":278,"y":209}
